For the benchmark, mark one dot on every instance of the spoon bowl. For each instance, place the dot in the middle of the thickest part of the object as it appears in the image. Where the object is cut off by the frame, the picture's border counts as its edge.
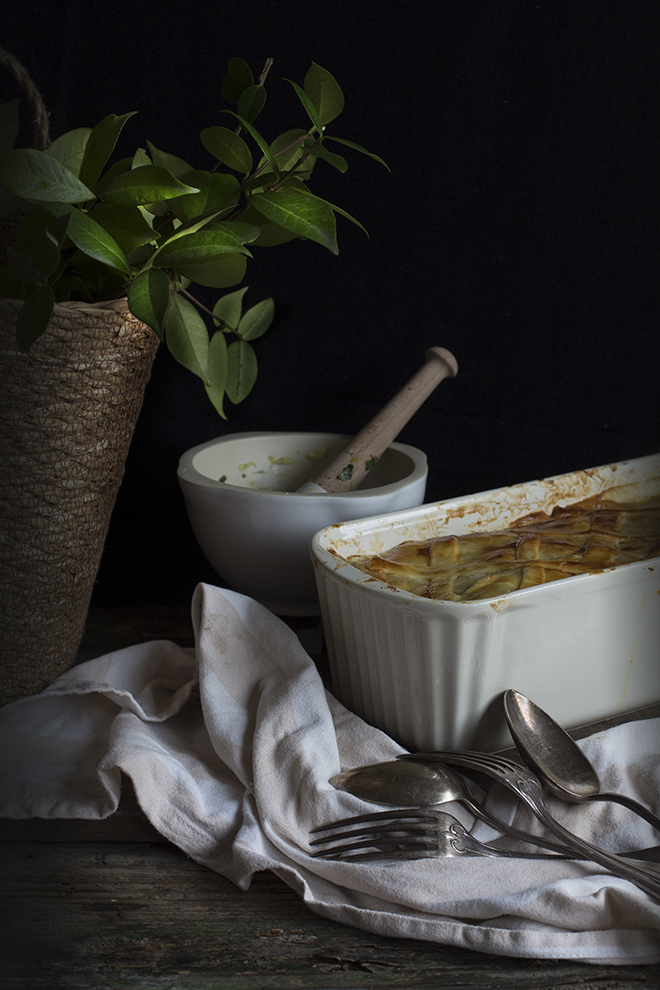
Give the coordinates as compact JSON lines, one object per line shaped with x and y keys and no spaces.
{"x":557,"y":760}
{"x":412,"y":785}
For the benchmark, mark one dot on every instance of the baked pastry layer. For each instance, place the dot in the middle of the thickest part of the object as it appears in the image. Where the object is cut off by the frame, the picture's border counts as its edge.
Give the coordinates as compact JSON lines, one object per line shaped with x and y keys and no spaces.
{"x":586,"y":536}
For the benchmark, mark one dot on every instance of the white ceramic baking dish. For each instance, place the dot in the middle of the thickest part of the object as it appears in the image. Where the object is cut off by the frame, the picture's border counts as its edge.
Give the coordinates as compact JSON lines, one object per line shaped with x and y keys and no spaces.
{"x":431,"y":673}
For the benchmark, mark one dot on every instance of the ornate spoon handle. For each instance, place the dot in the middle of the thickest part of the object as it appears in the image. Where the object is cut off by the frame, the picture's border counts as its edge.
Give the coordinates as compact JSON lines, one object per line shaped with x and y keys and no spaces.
{"x":527,"y":786}
{"x":631,"y":804}
{"x":530,"y":792}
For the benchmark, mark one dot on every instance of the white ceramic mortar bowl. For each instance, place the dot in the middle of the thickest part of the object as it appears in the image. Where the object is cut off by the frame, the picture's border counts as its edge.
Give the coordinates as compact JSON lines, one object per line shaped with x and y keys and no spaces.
{"x":255,"y":528}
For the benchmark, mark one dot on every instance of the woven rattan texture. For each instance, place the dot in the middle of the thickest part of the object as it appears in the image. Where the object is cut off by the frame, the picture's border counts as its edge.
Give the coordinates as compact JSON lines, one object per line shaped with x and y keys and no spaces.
{"x":67,"y":415}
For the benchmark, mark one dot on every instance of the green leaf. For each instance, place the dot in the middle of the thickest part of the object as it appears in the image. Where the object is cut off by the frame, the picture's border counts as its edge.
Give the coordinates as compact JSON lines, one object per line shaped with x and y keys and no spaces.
{"x":288,"y":149}
{"x":217,"y":374}
{"x":310,"y":109}
{"x":273,"y":235}
{"x":149,"y":297}
{"x":175,"y":165}
{"x":238,"y":78}
{"x":117,"y":168}
{"x":38,"y":177}
{"x":241,"y":231}
{"x":338,"y":161}
{"x":229,"y":307}
{"x":69,"y":149}
{"x":230,"y":234}
{"x":39,"y":239}
{"x":348,"y":216}
{"x":10,"y":286}
{"x":100,"y":146}
{"x":104,"y":281}
{"x":251,"y":102}
{"x":60,"y":272}
{"x":126,"y":225}
{"x":145,"y":185}
{"x":32,"y":223}
{"x":34,"y":316}
{"x":304,"y":215}
{"x":228,"y":147}
{"x":220,"y":272}
{"x":46,"y":253}
{"x":9,"y":202}
{"x":56,"y":209}
{"x":90,"y":238}
{"x":257,"y":320}
{"x":23,"y":266}
{"x":260,"y":181}
{"x":241,"y":370}
{"x":270,"y":234}
{"x":140,"y":158}
{"x":256,"y":136}
{"x":199,"y":245}
{"x":337,"y":209}
{"x":358,"y":147}
{"x":73,"y":287}
{"x":325,"y":93}
{"x":58,"y":227}
{"x":217,"y":194}
{"x":187,"y":337}
{"x":9,"y":125}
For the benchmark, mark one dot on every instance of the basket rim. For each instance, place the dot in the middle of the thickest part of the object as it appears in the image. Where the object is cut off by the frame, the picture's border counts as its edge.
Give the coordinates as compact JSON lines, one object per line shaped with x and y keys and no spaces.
{"x":73,"y":305}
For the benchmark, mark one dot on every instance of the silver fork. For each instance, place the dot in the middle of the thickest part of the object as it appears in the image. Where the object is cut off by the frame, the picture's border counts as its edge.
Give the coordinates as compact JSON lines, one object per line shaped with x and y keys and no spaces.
{"x":527,"y":787}
{"x":406,"y":834}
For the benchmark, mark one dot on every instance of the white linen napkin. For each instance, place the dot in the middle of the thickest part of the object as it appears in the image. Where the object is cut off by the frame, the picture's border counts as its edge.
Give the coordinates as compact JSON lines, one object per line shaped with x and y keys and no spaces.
{"x":230,"y":748}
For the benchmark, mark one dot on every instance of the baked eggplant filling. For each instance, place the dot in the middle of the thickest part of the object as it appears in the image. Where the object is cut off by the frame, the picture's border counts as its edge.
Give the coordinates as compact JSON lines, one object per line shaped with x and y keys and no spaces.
{"x":587,"y":536}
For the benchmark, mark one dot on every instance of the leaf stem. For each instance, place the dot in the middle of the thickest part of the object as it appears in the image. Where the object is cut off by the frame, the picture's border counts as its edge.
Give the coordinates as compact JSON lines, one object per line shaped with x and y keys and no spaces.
{"x":295,"y":143}
{"x":206,"y":310}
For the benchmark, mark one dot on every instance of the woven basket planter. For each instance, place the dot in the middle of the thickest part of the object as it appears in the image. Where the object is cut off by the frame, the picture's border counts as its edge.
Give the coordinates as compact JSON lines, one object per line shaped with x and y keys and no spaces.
{"x":68,"y":410}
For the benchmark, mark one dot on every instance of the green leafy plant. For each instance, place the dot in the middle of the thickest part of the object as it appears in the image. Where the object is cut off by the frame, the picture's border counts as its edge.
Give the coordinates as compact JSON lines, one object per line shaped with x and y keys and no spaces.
{"x":151,"y":226}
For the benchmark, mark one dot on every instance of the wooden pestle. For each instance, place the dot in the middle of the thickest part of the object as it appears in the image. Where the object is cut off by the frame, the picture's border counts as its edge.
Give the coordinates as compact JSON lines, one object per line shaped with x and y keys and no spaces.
{"x":348,"y":468}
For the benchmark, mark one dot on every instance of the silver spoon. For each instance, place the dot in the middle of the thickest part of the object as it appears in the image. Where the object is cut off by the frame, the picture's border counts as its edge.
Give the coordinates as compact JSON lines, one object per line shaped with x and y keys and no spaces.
{"x":420,"y":785}
{"x":557,"y":760}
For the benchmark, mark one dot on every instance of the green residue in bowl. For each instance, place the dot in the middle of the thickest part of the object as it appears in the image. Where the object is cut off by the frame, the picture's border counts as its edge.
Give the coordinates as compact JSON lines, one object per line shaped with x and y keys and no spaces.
{"x":281,"y":460}
{"x":316,"y":455}
{"x":248,"y":464}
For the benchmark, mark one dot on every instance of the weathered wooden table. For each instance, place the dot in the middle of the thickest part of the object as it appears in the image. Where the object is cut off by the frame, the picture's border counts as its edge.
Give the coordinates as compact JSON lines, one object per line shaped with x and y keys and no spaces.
{"x":112,"y":905}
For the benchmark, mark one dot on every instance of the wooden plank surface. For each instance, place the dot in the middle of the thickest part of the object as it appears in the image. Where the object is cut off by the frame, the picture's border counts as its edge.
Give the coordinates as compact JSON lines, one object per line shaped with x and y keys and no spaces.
{"x":111,"y":904}
{"x":140,"y":914}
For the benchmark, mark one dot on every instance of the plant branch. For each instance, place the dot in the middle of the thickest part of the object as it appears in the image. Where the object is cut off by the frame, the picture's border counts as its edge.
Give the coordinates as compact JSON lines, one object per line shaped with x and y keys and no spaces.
{"x":262,"y":80}
{"x":298,"y":141}
{"x":265,"y":71}
{"x":206,"y":310}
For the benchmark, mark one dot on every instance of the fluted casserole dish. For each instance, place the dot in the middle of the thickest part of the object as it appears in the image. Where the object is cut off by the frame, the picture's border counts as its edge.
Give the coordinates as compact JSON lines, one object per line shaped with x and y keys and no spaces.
{"x":431,"y":673}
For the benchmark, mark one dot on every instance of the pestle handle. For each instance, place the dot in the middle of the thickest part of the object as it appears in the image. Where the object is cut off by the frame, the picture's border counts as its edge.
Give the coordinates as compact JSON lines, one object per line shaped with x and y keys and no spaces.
{"x":348,"y":468}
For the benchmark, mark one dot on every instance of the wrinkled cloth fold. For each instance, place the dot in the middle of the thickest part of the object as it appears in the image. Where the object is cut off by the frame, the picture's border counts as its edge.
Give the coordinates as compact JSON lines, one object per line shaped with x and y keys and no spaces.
{"x":230,"y":748}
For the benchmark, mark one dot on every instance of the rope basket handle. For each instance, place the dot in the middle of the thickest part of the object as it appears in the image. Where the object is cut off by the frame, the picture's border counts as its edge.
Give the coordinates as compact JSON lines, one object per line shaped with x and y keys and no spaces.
{"x":40,"y":121}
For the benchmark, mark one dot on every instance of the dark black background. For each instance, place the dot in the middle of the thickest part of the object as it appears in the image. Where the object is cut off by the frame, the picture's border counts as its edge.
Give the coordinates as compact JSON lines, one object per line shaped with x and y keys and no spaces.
{"x":518,"y":228}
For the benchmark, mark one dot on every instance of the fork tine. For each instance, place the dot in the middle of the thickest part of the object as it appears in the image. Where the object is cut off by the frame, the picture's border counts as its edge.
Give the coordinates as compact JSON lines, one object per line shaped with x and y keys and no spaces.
{"x":395,"y":827}
{"x":382,"y":844}
{"x":377,"y":816}
{"x":488,"y":759}
{"x":383,"y":854}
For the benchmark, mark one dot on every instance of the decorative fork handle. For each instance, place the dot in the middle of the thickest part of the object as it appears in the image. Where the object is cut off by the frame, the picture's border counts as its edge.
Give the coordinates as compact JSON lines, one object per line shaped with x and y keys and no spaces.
{"x":530,"y":791}
{"x":523,"y":783}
